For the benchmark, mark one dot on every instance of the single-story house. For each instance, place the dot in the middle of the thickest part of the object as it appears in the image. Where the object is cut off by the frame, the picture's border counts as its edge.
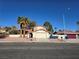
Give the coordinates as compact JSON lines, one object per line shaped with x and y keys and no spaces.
{"x":40,"y":32}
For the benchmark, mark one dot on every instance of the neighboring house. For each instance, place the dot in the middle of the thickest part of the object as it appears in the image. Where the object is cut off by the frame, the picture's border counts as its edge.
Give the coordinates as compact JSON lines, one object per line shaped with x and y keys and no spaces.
{"x":40,"y":32}
{"x":70,"y":35}
{"x":58,"y":36}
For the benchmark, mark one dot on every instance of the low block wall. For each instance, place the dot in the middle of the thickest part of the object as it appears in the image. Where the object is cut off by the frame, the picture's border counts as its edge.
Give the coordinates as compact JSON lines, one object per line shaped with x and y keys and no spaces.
{"x":14,"y":35}
{"x":18,"y":36}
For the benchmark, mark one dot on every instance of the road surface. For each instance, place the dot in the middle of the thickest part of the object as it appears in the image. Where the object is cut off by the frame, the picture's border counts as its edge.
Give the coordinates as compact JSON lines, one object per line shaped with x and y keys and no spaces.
{"x":39,"y":51}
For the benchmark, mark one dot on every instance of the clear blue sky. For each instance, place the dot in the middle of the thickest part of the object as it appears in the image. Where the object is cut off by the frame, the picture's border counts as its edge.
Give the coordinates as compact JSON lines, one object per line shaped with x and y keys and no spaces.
{"x":40,"y":11}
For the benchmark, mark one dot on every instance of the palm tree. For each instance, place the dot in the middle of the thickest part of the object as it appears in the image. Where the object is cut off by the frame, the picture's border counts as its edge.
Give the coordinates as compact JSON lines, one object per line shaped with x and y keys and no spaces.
{"x":48,"y":26}
{"x":23,"y":21}
{"x":19,"y":20}
{"x":32,"y":24}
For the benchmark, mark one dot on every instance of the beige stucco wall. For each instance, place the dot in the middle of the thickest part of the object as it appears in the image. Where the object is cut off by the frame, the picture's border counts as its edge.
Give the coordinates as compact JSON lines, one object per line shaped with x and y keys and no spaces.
{"x":41,"y":35}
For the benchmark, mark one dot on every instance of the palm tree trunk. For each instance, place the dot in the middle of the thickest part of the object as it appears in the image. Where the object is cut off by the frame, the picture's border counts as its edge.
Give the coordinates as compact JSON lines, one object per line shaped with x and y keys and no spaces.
{"x":24,"y":33}
{"x":20,"y":32}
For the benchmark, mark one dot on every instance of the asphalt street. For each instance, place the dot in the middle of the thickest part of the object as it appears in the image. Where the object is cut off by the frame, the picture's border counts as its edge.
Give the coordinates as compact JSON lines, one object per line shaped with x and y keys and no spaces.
{"x":39,"y":51}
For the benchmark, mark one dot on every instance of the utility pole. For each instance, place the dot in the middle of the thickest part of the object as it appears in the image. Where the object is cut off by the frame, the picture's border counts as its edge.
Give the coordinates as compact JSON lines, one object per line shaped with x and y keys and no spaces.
{"x":64,"y":25}
{"x":64,"y":22}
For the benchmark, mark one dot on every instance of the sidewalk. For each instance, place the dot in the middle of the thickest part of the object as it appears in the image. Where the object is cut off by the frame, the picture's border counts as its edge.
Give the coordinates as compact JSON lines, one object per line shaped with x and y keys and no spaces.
{"x":15,"y":39}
